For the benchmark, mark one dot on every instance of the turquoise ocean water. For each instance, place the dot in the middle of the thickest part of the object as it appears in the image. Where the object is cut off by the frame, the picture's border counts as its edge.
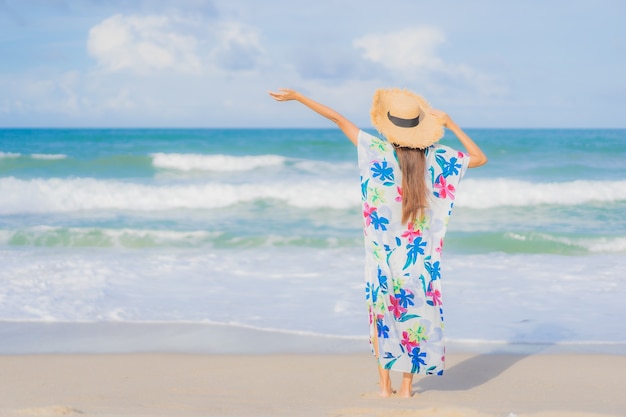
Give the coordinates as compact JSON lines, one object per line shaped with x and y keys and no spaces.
{"x":261,"y":229}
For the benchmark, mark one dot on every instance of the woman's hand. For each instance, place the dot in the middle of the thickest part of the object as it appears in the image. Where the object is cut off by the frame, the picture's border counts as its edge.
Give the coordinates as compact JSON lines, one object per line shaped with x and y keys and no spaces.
{"x":284,"y":94}
{"x":442,"y":116}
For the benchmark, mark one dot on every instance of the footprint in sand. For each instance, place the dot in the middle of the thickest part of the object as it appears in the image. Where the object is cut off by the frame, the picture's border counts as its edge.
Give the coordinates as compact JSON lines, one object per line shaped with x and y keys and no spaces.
{"x":47,"y":412}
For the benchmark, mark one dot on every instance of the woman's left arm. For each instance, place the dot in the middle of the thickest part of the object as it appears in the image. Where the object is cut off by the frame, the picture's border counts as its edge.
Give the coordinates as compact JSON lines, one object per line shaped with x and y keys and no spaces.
{"x":477,"y":156}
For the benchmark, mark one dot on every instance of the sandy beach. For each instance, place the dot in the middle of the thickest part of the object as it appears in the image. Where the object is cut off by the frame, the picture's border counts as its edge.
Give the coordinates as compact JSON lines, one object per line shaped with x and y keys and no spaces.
{"x":181,"y":385}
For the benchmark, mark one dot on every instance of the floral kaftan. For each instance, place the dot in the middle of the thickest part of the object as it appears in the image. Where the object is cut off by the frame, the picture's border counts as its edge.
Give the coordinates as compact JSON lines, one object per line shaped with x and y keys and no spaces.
{"x":403,"y":261}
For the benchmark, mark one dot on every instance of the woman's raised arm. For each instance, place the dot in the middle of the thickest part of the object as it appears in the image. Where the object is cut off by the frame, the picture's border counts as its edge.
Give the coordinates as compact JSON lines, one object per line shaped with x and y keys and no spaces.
{"x":347,"y":127}
{"x":477,"y":156}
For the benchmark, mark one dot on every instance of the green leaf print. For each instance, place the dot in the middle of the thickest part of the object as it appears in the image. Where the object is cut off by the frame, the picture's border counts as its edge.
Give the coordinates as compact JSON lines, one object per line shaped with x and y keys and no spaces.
{"x":389,"y":364}
{"x":379,"y":144}
{"x":407,"y":317}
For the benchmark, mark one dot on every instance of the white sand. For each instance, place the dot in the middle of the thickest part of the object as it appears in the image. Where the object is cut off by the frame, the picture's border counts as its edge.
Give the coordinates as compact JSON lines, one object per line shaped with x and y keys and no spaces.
{"x":181,"y":385}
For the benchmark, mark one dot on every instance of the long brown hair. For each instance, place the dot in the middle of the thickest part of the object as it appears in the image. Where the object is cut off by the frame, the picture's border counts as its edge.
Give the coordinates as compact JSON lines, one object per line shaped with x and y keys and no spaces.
{"x":414,"y":191}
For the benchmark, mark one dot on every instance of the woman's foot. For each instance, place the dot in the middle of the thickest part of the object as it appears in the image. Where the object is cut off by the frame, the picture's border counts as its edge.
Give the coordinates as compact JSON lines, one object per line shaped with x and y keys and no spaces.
{"x":385,"y":387}
{"x":405,"y":394}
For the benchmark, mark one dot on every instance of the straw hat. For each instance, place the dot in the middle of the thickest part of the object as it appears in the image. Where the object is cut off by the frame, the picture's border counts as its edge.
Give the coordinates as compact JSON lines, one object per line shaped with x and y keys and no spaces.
{"x":403,"y":118}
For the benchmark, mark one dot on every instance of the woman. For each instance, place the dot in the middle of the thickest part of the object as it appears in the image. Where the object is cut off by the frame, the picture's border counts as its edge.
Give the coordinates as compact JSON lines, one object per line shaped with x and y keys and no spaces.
{"x":408,"y":184}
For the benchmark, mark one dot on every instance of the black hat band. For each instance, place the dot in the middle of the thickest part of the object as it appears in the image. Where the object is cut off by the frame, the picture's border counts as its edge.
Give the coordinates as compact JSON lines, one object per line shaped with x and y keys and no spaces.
{"x":403,"y":122}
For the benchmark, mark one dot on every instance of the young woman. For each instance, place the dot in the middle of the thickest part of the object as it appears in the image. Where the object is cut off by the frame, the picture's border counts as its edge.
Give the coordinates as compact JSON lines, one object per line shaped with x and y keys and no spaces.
{"x":408,"y":184}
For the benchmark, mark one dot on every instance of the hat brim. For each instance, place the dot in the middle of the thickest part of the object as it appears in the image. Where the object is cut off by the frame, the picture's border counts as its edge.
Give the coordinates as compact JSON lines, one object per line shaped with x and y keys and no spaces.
{"x":428,"y":131}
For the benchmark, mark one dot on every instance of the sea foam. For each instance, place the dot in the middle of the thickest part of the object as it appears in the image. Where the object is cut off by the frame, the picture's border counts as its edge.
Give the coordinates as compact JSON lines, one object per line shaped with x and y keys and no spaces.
{"x":50,"y":236}
{"x":34,"y":155}
{"x":587,"y":244}
{"x":500,"y":192}
{"x":66,"y":195}
{"x":48,"y":156}
{"x":9,"y":155}
{"x":190,"y":162}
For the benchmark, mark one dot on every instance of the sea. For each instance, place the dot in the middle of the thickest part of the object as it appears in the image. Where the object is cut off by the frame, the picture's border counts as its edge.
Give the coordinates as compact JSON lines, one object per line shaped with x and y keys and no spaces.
{"x":245,"y":232}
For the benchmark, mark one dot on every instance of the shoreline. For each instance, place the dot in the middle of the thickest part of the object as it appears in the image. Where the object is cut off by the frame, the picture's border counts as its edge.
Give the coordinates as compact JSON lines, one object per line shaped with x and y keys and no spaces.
{"x":25,"y":338}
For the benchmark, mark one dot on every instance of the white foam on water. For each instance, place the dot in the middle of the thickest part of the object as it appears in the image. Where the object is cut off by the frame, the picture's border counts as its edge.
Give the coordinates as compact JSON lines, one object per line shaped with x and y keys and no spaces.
{"x":9,"y":155}
{"x":500,"y":192}
{"x":73,"y":194}
{"x":66,"y":195}
{"x":34,"y":155}
{"x":590,"y":244}
{"x":48,"y":156}
{"x":56,"y":236}
{"x":190,"y":162}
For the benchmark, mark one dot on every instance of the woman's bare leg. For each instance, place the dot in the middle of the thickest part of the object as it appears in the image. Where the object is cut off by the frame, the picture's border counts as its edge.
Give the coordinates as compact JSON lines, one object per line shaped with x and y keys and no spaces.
{"x":384,"y":382}
{"x":406,"y":390}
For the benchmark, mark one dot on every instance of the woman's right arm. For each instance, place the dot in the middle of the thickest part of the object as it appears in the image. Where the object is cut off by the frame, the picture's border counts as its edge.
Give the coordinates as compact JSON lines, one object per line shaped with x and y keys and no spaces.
{"x":347,"y":127}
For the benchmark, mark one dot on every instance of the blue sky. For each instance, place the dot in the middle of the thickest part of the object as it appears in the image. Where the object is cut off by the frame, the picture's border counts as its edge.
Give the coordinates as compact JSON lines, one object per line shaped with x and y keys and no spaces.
{"x":203,"y":63}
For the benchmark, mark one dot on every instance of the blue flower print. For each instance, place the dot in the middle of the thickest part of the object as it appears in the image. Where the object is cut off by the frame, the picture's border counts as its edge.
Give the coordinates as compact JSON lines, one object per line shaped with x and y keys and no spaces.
{"x":405,"y":297}
{"x":413,"y":250}
{"x":364,"y":188}
{"x":418,"y":358}
{"x":383,"y":329}
{"x":382,"y":281}
{"x":433,"y":269}
{"x":384,"y":171}
{"x":371,"y":292}
{"x":379,"y":222}
{"x":450,"y":167}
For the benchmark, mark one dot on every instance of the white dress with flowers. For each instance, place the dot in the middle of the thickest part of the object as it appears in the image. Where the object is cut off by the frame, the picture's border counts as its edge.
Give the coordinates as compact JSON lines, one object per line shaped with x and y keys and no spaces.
{"x":403,"y":261}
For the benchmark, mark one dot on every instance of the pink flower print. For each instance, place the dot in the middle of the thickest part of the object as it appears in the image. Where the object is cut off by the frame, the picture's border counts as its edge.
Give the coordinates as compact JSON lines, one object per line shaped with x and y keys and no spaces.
{"x":399,"y":196}
{"x":396,"y":307}
{"x":408,"y":342}
{"x":367,"y":213}
{"x":439,"y":248}
{"x":444,"y":189}
{"x":436,"y":296}
{"x":411,"y":233}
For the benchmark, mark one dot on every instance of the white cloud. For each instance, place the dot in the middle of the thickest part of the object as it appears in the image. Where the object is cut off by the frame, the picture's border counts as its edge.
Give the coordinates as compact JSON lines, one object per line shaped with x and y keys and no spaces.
{"x":121,"y":102}
{"x":143,"y":44}
{"x":238,"y":47}
{"x":407,"y":50}
{"x":162,"y":70}
{"x":147,"y":44}
{"x":412,"y":54}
